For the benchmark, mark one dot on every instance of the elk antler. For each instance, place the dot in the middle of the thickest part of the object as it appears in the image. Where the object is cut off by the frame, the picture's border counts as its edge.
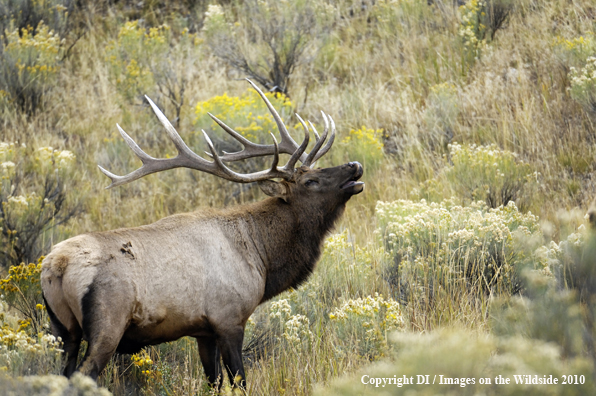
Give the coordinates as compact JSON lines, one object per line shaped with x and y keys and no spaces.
{"x":186,"y":158}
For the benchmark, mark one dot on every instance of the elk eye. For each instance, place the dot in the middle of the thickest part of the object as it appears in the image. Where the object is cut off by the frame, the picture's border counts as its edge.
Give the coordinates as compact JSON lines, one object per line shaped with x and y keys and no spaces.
{"x":311,"y":183}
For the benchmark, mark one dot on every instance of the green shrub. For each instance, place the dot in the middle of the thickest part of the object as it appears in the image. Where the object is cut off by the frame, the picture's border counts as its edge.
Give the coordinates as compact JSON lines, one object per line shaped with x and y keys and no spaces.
{"x":268,"y":40}
{"x":482,"y":173}
{"x":480,"y":21}
{"x":25,"y":349}
{"x":52,"y":385}
{"x":458,"y":355}
{"x":29,"y":64}
{"x":544,"y":312}
{"x":151,"y":62}
{"x":365,"y":322}
{"x":489,"y":174}
{"x":128,"y":58}
{"x":34,"y":200}
{"x":339,"y":308}
{"x":560,"y":309}
{"x":449,"y":254}
{"x":583,"y":85}
{"x":26,"y":14}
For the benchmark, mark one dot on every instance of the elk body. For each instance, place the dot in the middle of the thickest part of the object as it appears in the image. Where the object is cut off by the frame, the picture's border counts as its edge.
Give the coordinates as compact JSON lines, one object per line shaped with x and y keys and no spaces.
{"x":198,"y":274}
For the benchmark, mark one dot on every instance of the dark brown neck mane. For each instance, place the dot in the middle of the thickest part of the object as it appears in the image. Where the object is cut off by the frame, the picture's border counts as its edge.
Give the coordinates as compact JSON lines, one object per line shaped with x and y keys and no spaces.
{"x":292,"y":239}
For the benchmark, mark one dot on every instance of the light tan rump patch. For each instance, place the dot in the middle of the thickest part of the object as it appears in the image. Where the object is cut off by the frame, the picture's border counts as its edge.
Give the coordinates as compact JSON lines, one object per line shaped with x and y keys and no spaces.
{"x":56,"y":264}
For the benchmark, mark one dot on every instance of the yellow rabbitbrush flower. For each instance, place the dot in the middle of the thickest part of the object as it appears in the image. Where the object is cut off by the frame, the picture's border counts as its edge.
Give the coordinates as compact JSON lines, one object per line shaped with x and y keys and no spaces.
{"x":150,"y":370}
{"x":19,"y":343}
{"x":365,"y":145}
{"x":21,"y":279}
{"x":581,"y":43}
{"x":44,"y":45}
{"x":385,"y":313}
{"x":367,"y":136}
{"x":446,"y":88}
{"x":141,"y":360}
{"x":21,"y":289}
{"x":472,"y":30}
{"x":130,"y":57}
{"x":576,"y":49}
{"x":247,"y":114}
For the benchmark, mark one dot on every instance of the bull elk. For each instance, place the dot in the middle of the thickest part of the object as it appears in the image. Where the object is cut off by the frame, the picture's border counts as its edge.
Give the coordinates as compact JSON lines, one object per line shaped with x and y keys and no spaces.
{"x":198,"y":274}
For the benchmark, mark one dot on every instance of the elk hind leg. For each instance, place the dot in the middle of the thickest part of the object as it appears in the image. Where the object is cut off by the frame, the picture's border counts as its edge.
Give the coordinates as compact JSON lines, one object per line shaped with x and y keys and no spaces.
{"x":71,"y":338}
{"x":103,"y":326}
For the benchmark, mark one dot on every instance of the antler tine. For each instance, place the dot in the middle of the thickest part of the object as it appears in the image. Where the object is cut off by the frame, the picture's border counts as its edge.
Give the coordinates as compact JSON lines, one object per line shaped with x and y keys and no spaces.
{"x":327,"y":147}
{"x":286,"y":140}
{"x":317,"y":137}
{"x":244,"y":141}
{"x":318,"y":144}
{"x":172,"y":133}
{"x":143,"y":156}
{"x":230,"y":173}
{"x":275,"y":154}
{"x":289,"y":166}
{"x":114,"y":178}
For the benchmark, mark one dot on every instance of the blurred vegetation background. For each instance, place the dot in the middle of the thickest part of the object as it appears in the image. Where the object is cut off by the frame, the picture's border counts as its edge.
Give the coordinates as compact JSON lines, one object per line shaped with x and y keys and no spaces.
{"x":469,"y":254}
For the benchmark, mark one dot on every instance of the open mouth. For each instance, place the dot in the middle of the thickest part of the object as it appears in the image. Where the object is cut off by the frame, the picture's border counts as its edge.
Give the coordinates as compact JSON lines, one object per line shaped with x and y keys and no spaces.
{"x":353,"y":183}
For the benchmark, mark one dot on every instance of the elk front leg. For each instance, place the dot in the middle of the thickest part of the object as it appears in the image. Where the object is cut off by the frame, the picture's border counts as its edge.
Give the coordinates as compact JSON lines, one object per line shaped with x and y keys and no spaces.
{"x":210,"y":357}
{"x":230,"y":344}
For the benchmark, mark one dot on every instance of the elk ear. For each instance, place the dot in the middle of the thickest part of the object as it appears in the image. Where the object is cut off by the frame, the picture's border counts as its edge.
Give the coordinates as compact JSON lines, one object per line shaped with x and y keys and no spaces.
{"x":274,"y":189}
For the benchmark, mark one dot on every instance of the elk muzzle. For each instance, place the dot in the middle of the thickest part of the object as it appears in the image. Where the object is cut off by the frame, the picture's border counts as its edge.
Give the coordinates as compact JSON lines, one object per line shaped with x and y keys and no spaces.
{"x":352,"y":185}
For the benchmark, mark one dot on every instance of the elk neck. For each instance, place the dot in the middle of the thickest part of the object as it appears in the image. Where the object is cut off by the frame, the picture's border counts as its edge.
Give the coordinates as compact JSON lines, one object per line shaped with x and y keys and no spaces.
{"x":292,"y":238}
